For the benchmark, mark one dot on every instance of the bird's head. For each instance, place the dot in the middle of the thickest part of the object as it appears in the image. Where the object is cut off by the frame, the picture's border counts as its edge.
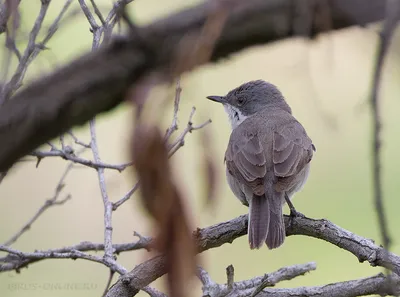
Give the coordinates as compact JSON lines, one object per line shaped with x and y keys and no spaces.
{"x":249,"y":98}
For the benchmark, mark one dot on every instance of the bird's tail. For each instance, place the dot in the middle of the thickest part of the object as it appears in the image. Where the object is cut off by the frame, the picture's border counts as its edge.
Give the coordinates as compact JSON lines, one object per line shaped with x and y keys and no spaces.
{"x":266,"y":221}
{"x":276,"y":232}
{"x":258,"y":221}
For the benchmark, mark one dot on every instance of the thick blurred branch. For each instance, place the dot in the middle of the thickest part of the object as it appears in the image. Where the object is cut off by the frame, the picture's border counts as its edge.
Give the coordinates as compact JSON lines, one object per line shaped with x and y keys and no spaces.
{"x":98,"y":81}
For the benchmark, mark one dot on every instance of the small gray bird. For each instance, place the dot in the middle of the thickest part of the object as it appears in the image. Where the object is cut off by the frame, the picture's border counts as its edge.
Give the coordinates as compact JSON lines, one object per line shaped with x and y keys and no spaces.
{"x":267,"y":159}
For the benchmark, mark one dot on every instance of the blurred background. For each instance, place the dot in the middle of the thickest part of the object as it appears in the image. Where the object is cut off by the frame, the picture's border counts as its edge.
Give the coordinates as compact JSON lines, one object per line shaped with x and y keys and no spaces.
{"x":326,"y":82}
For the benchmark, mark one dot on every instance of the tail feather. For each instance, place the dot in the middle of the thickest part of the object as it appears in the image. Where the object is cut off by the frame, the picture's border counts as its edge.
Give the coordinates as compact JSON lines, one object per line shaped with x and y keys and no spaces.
{"x":259,"y":221}
{"x":276,"y":232}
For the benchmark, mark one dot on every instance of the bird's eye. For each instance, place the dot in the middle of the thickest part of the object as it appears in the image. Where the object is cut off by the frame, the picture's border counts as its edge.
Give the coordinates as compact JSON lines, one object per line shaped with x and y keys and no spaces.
{"x":240,"y":100}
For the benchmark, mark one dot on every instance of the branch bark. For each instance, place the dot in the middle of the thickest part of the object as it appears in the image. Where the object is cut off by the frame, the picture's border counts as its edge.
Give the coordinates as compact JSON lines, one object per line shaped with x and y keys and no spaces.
{"x":226,"y":232}
{"x":99,"y":81}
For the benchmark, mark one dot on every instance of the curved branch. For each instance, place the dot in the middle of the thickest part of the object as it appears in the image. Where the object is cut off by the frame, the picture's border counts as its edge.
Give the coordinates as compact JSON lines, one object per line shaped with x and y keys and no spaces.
{"x":99,"y":81}
{"x":214,"y":236}
{"x":374,"y":285}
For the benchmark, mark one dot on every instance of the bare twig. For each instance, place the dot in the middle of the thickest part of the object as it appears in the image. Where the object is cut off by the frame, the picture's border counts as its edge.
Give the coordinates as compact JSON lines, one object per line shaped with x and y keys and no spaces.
{"x":174,"y":124}
{"x":392,"y":17}
{"x":374,"y":285}
{"x":153,"y":292}
{"x":180,"y":141}
{"x":49,"y":203}
{"x":77,"y":141}
{"x":24,"y":61}
{"x":110,"y":277}
{"x":98,"y":12}
{"x":33,"y":48}
{"x":126,"y":197}
{"x":108,"y":251}
{"x":255,"y":285}
{"x":68,"y":154}
{"x":174,"y":147}
{"x":16,"y":263}
{"x":230,"y":277}
{"x":74,"y":254}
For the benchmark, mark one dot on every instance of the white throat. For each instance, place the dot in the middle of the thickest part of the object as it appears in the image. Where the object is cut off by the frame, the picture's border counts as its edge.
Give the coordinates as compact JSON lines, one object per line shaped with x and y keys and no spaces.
{"x":234,"y":115}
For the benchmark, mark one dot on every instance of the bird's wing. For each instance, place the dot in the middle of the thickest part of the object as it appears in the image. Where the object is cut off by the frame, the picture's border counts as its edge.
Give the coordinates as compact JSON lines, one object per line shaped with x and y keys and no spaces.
{"x":292,"y":149}
{"x":245,"y":159}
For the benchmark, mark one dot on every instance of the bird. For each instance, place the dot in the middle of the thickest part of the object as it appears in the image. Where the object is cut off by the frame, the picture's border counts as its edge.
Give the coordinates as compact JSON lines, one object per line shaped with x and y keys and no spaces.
{"x":267,"y":159}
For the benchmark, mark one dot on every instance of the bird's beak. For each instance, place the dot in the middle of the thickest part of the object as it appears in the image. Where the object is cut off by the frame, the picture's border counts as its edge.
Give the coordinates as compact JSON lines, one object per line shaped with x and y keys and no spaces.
{"x":219,"y":99}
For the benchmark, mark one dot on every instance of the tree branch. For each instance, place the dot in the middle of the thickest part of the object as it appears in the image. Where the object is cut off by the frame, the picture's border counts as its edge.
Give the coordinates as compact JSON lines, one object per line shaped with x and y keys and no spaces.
{"x":13,"y":262}
{"x":374,"y":285}
{"x":226,"y":232}
{"x":255,"y":285}
{"x":99,"y":81}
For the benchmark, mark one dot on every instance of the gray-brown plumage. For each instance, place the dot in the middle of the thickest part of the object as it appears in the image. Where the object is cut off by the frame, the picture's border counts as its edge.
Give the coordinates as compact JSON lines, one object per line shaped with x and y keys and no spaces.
{"x":268,"y":156}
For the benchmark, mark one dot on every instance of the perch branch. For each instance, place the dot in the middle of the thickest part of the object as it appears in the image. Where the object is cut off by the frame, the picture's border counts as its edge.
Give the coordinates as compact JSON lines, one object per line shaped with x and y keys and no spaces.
{"x":226,"y":232}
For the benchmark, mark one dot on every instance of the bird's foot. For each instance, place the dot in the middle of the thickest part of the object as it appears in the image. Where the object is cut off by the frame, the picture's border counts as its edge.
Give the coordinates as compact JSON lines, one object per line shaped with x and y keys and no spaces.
{"x":295,"y":214}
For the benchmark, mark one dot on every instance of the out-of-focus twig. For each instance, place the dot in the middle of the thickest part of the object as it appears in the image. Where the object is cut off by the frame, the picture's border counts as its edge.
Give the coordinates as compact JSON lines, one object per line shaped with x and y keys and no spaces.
{"x":49,"y":203}
{"x":389,"y":25}
{"x":33,"y":48}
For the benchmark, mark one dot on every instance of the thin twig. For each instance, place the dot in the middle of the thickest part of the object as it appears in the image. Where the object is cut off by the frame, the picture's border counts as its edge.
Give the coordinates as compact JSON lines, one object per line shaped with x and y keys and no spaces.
{"x":110,"y":277}
{"x":173,"y":148}
{"x":49,"y":203}
{"x":12,"y":263}
{"x":33,"y":48}
{"x":13,"y":84}
{"x":126,"y":197}
{"x":77,"y":141}
{"x":180,"y":140}
{"x":98,"y":12}
{"x":74,"y":254}
{"x":108,"y":251}
{"x":68,"y":154}
{"x":392,"y":17}
{"x":174,"y":124}
{"x":153,"y":292}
